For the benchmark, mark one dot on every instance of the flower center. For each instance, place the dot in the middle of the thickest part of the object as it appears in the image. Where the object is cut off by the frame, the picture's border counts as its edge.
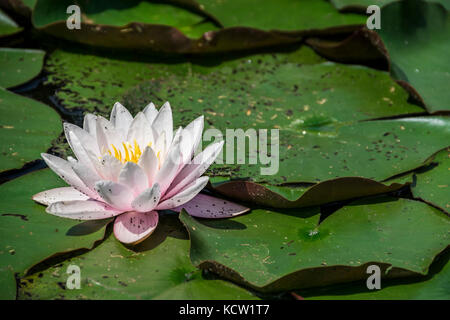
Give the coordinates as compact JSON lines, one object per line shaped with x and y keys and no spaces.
{"x":128,"y":152}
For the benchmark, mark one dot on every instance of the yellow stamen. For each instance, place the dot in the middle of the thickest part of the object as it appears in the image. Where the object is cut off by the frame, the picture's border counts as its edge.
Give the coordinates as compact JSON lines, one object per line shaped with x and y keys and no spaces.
{"x":132,"y":153}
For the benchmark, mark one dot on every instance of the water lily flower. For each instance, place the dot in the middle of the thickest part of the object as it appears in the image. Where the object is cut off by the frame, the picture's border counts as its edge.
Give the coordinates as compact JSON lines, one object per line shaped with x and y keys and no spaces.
{"x":130,"y":168}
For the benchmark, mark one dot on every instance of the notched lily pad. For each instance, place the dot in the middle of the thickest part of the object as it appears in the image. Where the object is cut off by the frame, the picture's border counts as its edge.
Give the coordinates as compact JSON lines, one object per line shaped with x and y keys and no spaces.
{"x":284,"y":250}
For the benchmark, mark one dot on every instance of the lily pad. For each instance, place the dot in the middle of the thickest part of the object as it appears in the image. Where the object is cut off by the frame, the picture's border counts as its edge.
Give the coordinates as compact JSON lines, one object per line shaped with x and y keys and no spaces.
{"x":294,"y":196}
{"x":151,"y":26}
{"x":27,"y":129}
{"x":282,"y":15}
{"x":7,"y":25}
{"x":435,"y":286}
{"x":415,"y":34}
{"x":19,"y":66}
{"x":27,"y":233}
{"x":361,"y":5}
{"x":158,"y":268}
{"x":431,"y":185}
{"x":49,"y":15}
{"x":284,"y":250}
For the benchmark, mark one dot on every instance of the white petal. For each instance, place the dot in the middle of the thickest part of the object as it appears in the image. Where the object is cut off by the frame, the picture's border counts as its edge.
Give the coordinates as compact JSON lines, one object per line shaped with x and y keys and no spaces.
{"x":90,"y":124}
{"x":110,"y":167}
{"x":184,"y":196}
{"x":82,"y":210}
{"x":205,"y":206}
{"x":169,"y":169}
{"x":150,"y":112}
{"x":141,"y":131}
{"x":134,"y":177}
{"x":115,"y":194}
{"x":87,"y":175}
{"x":192,"y":134}
{"x":164,"y":122}
{"x":195,"y":169}
{"x":107,"y":135}
{"x":160,"y":146}
{"x":48,"y":197}
{"x":64,"y":170}
{"x":134,"y":227}
{"x":121,"y":118}
{"x":83,"y":146}
{"x":147,"y":200}
{"x":149,"y":163}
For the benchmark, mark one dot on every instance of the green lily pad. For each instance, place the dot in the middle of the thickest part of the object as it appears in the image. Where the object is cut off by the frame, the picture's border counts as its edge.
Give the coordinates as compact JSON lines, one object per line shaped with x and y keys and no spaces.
{"x":7,"y":25}
{"x":415,"y":34}
{"x":284,"y":250}
{"x":150,"y":26}
{"x":19,"y":66}
{"x":116,"y":13}
{"x":284,"y":15}
{"x":433,"y":185}
{"x":27,"y":233}
{"x":361,"y":5}
{"x":27,"y":129}
{"x":158,"y":268}
{"x":435,"y":286}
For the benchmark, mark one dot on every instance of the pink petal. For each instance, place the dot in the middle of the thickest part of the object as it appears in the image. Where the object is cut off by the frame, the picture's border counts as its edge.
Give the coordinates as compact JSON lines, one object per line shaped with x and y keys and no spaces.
{"x":115,"y":194}
{"x":169,"y":169}
{"x":184,"y":196}
{"x":134,"y":177}
{"x":64,"y":170}
{"x":48,"y":197}
{"x":121,"y":118}
{"x":195,"y":169}
{"x":134,"y":227}
{"x":204,"y":206}
{"x":82,"y":210}
{"x":147,"y":200}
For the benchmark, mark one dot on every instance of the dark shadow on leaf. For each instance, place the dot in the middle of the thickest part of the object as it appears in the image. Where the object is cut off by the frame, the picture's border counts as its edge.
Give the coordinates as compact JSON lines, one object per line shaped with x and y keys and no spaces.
{"x":168,"y":226}
{"x":225,"y":224}
{"x":87,"y":227}
{"x":373,"y":200}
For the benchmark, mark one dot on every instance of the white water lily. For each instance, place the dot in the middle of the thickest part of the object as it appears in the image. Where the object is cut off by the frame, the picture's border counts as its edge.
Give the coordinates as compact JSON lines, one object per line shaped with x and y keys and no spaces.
{"x":129,"y":168}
